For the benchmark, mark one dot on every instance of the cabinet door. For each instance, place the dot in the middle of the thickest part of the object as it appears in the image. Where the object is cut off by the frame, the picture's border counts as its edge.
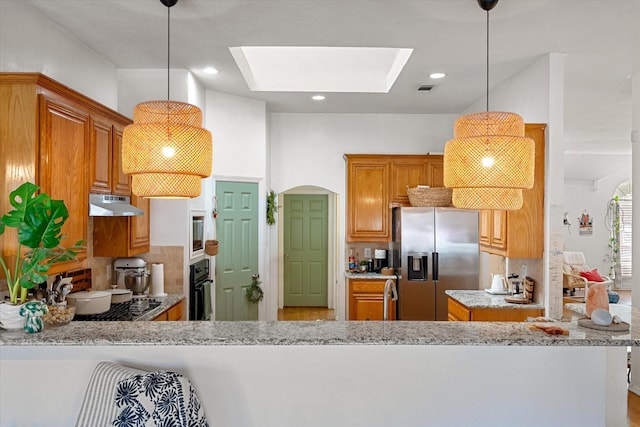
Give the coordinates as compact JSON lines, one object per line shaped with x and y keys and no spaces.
{"x":486,"y":227}
{"x":101,"y":154}
{"x":435,"y":171}
{"x":366,"y":300}
{"x":139,"y":227}
{"x":499,"y":230}
{"x":406,"y":173}
{"x":121,"y":181}
{"x":62,"y":168}
{"x":368,"y":202}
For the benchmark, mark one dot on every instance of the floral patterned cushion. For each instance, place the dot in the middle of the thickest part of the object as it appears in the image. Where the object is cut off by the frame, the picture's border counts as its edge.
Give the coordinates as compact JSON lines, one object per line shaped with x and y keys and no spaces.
{"x":159,"y":398}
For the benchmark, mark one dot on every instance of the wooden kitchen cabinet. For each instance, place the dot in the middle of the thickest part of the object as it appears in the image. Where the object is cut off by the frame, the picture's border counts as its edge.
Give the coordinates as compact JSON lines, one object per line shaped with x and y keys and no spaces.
{"x":123,"y":237}
{"x":45,"y":139}
{"x":459,"y":312}
{"x":174,"y":313}
{"x":366,"y":300}
{"x":411,"y":171}
{"x":519,"y":233}
{"x":368,"y":214}
{"x":377,"y":182}
{"x":63,"y":153}
{"x":106,"y":174}
{"x":68,"y":145}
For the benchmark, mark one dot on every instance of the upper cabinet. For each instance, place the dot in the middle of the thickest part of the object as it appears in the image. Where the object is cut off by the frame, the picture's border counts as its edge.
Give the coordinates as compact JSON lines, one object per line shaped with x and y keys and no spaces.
{"x":64,"y":142}
{"x":376,"y":182}
{"x":367,"y":199}
{"x":519,"y":233}
{"x":106,"y":174}
{"x":123,"y":236}
{"x":61,"y":166}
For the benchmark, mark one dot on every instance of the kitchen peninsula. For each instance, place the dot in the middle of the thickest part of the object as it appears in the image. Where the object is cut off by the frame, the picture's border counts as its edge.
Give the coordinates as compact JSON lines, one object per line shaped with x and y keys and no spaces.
{"x":336,"y":373}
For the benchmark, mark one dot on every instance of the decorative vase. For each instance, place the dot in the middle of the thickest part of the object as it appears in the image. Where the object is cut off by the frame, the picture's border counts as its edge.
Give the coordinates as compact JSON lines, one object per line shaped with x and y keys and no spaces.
{"x":33,"y":312}
{"x":10,"y":316}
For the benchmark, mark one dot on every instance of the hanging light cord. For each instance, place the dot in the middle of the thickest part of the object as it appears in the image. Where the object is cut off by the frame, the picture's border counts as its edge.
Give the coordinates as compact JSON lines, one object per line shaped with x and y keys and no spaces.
{"x":487,"y":61}
{"x":169,"y":48}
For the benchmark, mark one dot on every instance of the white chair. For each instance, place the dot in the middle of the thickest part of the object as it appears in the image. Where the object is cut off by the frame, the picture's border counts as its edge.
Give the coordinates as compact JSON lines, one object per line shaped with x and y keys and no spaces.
{"x":573,"y":264}
{"x":121,"y":394}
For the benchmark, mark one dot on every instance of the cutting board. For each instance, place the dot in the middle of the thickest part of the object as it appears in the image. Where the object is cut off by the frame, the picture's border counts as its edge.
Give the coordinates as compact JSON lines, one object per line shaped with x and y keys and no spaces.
{"x":517,"y":300}
{"x":614,"y":327}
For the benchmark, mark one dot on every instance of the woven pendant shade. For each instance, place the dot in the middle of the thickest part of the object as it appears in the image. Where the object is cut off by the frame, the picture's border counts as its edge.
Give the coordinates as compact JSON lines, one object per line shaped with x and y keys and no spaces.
{"x":166,"y":151}
{"x":487,"y":198}
{"x":498,"y":136}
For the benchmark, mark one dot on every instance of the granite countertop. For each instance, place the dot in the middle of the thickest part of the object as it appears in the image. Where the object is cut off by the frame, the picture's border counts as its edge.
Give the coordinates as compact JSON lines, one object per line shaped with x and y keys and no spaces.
{"x":353,"y":275}
{"x":483,"y":299}
{"x":166,"y":302}
{"x":317,"y":333}
{"x":624,"y":311}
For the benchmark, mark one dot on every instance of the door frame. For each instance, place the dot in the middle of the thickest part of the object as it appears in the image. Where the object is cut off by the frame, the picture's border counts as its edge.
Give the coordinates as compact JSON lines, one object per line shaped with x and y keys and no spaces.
{"x":332,"y":241}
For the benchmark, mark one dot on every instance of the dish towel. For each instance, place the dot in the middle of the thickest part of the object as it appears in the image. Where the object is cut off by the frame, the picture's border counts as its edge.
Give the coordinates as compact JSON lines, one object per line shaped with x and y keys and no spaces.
{"x":206,"y":315}
{"x":121,"y":396}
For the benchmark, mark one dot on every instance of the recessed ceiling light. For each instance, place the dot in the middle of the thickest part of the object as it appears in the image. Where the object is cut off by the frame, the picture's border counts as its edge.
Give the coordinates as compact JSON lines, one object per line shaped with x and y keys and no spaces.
{"x":210,"y":70}
{"x":436,"y":75}
{"x":318,"y":97}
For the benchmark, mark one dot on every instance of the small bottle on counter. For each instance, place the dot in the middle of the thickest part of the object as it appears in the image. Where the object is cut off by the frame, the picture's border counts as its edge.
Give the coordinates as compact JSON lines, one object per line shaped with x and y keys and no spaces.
{"x":352,"y":261}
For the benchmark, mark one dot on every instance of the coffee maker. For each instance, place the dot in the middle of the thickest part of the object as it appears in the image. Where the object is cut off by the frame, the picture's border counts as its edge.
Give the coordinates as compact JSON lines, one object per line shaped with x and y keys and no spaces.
{"x":379,"y":260}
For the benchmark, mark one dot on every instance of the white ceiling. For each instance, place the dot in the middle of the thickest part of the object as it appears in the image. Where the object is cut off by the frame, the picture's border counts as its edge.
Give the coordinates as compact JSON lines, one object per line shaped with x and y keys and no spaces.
{"x":601,"y":40}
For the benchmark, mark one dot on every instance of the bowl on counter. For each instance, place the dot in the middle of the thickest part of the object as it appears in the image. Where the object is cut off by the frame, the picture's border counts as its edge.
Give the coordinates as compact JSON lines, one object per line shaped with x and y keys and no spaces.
{"x":59,"y":315}
{"x":90,"y":302}
{"x":137,"y":282}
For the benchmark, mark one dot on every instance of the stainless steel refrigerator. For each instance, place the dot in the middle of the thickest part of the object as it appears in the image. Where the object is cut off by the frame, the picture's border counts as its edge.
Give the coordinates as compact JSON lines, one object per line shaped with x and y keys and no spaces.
{"x":433,"y":250}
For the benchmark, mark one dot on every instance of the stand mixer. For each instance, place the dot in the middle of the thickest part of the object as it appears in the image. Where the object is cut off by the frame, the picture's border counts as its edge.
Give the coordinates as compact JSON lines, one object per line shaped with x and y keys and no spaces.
{"x":122,"y":266}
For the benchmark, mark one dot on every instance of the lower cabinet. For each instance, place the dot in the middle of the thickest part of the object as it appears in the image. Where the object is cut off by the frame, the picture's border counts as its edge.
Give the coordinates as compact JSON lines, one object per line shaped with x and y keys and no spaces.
{"x":366,"y":300}
{"x":174,"y":313}
{"x":459,"y":312}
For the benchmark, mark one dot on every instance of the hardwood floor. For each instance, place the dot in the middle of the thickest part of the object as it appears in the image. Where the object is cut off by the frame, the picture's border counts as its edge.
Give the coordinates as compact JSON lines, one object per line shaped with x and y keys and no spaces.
{"x":633,"y":410}
{"x":306,"y":313}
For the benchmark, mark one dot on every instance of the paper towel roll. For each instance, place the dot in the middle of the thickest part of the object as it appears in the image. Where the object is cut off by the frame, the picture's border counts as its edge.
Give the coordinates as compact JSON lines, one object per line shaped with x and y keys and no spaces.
{"x":157,"y":280}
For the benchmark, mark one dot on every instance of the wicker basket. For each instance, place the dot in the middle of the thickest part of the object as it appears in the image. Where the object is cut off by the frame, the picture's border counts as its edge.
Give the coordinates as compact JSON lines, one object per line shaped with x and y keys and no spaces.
{"x":211,"y":247}
{"x":429,"y":196}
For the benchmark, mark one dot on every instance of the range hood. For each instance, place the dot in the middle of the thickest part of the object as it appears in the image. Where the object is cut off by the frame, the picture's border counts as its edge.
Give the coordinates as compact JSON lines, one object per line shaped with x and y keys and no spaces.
{"x":109,"y":205}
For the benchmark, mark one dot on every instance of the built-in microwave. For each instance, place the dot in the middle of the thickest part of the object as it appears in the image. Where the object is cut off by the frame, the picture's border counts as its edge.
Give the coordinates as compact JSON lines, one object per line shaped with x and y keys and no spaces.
{"x":197,"y":233}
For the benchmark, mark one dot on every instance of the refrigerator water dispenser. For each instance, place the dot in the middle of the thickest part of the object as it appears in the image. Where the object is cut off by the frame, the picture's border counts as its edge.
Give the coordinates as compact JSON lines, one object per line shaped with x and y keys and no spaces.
{"x":417,"y":266}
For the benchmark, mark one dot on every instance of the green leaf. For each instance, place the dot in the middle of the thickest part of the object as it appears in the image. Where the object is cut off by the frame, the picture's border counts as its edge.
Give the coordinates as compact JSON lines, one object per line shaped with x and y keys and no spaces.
{"x":43,"y":224}
{"x":21,"y":198}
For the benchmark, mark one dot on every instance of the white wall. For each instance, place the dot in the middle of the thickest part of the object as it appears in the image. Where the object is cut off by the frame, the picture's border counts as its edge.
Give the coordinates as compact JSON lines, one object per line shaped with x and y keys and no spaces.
{"x":30,"y":42}
{"x":580,"y":196}
{"x":240,"y":153}
{"x":308,"y":150}
{"x":344,"y":385}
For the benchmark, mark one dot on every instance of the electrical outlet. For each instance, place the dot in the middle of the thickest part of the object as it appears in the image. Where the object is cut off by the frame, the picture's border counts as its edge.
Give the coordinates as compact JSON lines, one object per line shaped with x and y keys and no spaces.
{"x":108,"y":272}
{"x":524,"y":271}
{"x":367,"y":253}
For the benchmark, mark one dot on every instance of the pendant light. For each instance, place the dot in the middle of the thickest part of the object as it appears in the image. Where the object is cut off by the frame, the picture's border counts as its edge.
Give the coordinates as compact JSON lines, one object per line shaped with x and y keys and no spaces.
{"x":489,"y":161}
{"x":166,"y":150}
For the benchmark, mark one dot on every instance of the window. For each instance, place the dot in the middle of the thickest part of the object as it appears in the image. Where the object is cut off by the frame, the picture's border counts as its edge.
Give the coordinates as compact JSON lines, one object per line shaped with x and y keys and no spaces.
{"x":623,"y":194}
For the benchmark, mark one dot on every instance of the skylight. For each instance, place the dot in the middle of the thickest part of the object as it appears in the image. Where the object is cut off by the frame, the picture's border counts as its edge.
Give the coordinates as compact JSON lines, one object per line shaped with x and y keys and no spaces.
{"x":320,"y":69}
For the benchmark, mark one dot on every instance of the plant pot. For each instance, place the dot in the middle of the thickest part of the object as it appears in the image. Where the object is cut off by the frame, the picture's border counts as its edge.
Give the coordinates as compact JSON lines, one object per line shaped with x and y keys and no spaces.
{"x":10,"y":316}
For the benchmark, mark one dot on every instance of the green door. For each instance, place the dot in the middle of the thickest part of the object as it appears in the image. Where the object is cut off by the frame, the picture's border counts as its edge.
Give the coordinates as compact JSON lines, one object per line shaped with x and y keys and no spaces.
{"x":305,"y":250}
{"x":237,"y":259}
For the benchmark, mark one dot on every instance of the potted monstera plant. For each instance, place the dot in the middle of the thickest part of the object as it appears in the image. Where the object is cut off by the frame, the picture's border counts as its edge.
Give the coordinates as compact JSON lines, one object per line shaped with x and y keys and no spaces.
{"x":38,"y":220}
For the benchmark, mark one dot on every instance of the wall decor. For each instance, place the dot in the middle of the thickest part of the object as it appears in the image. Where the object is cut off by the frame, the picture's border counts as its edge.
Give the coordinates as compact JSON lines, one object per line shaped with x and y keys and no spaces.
{"x":586,"y":223}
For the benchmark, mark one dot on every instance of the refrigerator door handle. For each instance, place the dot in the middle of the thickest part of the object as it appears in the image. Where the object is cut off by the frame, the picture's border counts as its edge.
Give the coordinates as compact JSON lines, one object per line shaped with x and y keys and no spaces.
{"x":434,"y":269}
